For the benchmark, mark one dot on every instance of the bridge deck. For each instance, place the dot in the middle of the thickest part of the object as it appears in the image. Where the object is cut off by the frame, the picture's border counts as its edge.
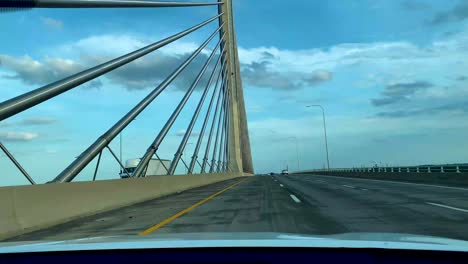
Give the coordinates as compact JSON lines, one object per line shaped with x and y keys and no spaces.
{"x":294,"y":204}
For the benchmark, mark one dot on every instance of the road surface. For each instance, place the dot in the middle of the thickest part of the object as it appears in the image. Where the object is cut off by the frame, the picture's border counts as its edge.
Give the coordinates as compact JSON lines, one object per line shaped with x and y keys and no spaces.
{"x":306,"y":204}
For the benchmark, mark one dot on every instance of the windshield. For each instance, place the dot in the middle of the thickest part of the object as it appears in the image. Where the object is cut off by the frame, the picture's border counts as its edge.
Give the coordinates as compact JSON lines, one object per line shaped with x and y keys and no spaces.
{"x":305,"y":117}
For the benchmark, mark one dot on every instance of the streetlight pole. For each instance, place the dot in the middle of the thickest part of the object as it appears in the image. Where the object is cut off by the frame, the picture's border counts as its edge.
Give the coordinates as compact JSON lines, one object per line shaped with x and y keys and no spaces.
{"x":297,"y":152}
{"x":324,"y":131}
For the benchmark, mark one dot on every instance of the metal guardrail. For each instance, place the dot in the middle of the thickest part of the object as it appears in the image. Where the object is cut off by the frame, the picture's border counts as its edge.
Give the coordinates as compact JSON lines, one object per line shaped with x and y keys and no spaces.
{"x":221,"y":120}
{"x":403,"y":169}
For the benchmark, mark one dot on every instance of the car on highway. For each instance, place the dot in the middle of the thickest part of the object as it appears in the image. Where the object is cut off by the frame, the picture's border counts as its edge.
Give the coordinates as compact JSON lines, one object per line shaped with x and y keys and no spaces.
{"x":285,"y":172}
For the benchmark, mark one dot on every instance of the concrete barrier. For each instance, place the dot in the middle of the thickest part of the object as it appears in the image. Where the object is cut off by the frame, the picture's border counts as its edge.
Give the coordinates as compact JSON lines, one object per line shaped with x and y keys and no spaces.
{"x":436,"y":178}
{"x":28,"y":208}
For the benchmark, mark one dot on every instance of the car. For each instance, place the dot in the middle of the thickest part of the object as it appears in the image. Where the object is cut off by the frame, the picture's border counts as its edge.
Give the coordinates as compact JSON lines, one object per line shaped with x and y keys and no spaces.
{"x":285,"y":172}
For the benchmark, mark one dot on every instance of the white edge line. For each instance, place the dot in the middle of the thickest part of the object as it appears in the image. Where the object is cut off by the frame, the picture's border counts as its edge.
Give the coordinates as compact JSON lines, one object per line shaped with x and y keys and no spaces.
{"x":407,"y":183}
{"x":448,"y":207}
{"x":295,"y":198}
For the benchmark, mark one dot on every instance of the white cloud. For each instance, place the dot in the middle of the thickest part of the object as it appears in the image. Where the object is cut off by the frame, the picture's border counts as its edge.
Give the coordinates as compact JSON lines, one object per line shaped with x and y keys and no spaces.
{"x":338,"y":55}
{"x":116,"y":45}
{"x":181,"y":133}
{"x":51,"y":151}
{"x":32,"y":71}
{"x":322,"y":75}
{"x":143,"y":73}
{"x":113,"y":45}
{"x":18,"y":136}
{"x":260,"y":74}
{"x":38,"y":121}
{"x":288,"y":69}
{"x":262,"y":66}
{"x":377,"y":65}
{"x":272,"y":67}
{"x":53,"y":23}
{"x":350,"y":129}
{"x":30,"y":121}
{"x":355,"y":139}
{"x":397,"y":57}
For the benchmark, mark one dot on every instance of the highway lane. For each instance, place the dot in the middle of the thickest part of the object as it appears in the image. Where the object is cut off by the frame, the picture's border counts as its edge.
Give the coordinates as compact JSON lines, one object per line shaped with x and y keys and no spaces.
{"x":362,"y":205}
{"x":259,"y":204}
{"x":306,"y":204}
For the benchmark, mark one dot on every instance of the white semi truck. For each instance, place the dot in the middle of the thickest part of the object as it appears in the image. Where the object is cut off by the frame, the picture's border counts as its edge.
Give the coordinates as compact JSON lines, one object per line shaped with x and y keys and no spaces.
{"x":155,"y":167}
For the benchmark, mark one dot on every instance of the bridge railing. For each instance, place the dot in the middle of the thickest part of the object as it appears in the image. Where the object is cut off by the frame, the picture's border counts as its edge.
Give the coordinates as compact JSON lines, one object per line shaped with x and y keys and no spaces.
{"x":219,"y":61}
{"x":402,"y":169}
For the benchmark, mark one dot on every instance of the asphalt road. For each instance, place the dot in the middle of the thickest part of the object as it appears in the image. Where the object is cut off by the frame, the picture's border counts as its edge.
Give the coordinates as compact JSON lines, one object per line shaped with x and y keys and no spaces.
{"x":306,"y":204}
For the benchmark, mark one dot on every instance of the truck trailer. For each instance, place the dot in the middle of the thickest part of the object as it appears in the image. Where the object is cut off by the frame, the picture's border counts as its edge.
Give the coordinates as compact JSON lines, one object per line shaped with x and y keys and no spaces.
{"x":155,"y":167}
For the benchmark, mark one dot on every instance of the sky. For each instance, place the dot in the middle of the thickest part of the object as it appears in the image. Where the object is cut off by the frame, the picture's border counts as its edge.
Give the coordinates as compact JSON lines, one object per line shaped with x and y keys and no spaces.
{"x":391,"y":75}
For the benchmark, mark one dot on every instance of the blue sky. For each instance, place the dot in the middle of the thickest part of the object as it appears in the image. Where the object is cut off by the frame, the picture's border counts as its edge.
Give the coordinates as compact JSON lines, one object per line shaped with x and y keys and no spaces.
{"x":391,"y":75}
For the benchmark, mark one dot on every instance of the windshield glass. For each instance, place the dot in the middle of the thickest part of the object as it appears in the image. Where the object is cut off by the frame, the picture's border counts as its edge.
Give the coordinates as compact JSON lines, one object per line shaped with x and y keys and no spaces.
{"x":306,"y":117}
{"x":129,"y":170}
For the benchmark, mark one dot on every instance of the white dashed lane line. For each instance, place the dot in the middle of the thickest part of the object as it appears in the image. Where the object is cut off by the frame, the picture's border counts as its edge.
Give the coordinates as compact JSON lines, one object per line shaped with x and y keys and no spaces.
{"x":396,"y":182}
{"x":448,"y":207}
{"x":295,"y":199}
{"x":348,"y":186}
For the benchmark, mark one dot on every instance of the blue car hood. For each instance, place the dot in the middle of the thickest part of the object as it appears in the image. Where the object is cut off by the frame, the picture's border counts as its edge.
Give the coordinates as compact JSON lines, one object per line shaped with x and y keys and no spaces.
{"x":251,"y":239}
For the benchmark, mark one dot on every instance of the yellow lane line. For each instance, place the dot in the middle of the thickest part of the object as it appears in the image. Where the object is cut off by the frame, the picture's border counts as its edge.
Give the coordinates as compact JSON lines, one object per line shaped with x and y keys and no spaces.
{"x":181,"y":213}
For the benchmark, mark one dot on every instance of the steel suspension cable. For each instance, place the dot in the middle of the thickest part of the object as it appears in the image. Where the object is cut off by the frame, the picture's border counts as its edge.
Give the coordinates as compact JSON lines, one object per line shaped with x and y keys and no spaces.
{"x":189,"y":129}
{"x":219,"y":103}
{"x":157,"y":141}
{"x":205,"y":122}
{"x":92,"y":151}
{"x":27,"y":100}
